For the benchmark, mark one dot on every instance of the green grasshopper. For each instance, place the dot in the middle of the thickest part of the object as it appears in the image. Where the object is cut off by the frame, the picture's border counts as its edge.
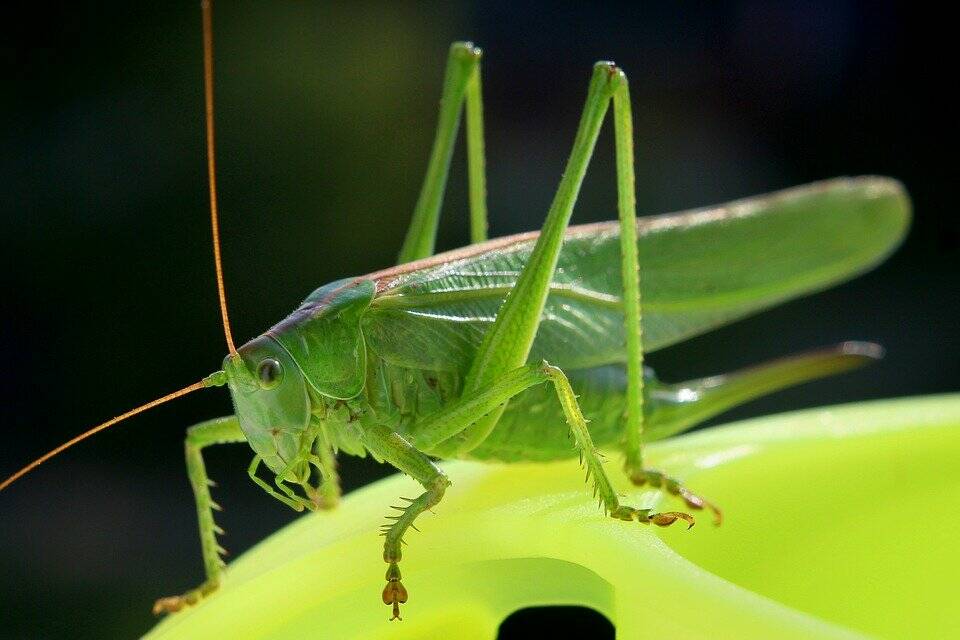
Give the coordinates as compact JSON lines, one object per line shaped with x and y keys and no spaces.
{"x":528,"y":347}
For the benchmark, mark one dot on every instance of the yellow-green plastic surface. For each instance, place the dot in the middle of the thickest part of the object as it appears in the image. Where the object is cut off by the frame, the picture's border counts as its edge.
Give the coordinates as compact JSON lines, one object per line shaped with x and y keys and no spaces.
{"x":841,"y":522}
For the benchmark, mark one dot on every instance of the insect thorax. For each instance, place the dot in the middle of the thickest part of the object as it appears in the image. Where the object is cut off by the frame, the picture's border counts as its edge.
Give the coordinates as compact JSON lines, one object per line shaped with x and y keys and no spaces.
{"x":399,"y":396}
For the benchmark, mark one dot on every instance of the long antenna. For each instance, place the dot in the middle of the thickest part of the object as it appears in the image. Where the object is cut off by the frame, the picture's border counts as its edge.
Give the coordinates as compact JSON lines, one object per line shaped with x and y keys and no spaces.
{"x":215,"y":379}
{"x":100,"y":427}
{"x":207,"y":8}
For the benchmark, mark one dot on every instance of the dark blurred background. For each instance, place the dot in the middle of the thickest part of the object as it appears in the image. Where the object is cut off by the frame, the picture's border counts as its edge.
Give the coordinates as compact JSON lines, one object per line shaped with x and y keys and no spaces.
{"x":326,"y":113}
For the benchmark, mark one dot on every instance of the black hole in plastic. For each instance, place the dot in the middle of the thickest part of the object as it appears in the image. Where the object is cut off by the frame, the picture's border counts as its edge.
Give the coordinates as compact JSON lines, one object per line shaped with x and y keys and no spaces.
{"x":558,"y":622}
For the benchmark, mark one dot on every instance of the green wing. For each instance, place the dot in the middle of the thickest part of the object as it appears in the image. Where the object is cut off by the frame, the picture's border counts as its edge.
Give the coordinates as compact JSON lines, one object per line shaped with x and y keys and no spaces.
{"x":698,"y":270}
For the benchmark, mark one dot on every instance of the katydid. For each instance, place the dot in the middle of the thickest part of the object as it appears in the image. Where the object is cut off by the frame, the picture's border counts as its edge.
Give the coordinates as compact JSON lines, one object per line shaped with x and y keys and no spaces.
{"x":506,"y":348}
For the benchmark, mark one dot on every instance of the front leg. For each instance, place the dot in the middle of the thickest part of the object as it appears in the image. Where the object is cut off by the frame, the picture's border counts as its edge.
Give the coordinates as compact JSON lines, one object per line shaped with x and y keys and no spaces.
{"x":218,"y":431}
{"x":391,"y":447}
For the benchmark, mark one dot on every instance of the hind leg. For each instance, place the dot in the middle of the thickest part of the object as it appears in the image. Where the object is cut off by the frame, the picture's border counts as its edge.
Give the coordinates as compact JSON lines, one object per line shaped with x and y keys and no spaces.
{"x":633,"y":326}
{"x":461,"y":87}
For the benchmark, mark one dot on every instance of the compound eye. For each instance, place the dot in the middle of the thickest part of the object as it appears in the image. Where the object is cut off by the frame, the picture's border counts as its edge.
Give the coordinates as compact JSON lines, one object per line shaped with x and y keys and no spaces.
{"x":269,"y":373}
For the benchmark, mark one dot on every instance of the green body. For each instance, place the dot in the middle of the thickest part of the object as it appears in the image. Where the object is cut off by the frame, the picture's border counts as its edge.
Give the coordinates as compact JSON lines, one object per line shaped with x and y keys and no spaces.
{"x":398,"y":343}
{"x":531,"y":347}
{"x":524,"y":348}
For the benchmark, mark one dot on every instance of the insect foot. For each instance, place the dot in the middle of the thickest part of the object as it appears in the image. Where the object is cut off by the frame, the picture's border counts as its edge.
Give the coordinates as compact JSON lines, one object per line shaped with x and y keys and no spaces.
{"x":674,"y":488}
{"x":173,"y":604}
{"x":394,"y":594}
{"x":644,"y":516}
{"x":669,"y":517}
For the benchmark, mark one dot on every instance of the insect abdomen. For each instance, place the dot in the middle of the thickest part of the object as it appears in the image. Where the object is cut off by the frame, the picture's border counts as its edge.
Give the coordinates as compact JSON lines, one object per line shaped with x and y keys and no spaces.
{"x":533,"y":427}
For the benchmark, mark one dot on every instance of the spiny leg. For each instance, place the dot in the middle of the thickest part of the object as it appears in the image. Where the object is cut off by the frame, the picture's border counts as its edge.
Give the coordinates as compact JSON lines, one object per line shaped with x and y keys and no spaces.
{"x":633,"y":327}
{"x":453,"y":419}
{"x":461,"y":83}
{"x":593,"y":463}
{"x":391,"y":447}
{"x":218,"y":431}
